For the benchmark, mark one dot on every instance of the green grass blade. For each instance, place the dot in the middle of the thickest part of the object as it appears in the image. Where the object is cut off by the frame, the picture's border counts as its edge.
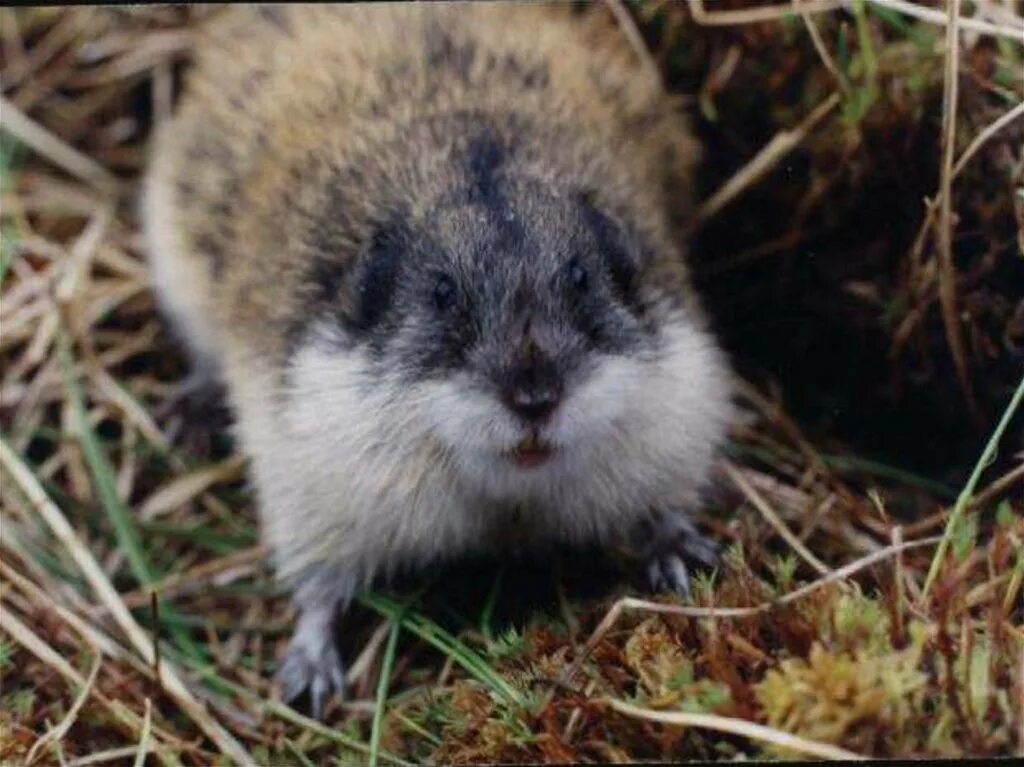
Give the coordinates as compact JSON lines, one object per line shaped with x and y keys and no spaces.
{"x":488,"y":611}
{"x":867,"y":45}
{"x":102,"y":474}
{"x":303,"y":759}
{"x":428,"y":736}
{"x":850,"y":465}
{"x":382,"y":689}
{"x":11,"y":151}
{"x":987,"y":455}
{"x":434,"y":635}
{"x":282,"y":711}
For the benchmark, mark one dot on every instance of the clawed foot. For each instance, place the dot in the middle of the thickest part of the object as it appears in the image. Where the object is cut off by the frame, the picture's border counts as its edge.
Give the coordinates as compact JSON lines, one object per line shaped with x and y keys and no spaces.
{"x":312,"y":668}
{"x":674,"y":544}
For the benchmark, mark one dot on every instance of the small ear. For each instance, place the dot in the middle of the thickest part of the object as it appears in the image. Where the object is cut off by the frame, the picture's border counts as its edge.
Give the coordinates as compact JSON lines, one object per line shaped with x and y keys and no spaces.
{"x":614,"y":244}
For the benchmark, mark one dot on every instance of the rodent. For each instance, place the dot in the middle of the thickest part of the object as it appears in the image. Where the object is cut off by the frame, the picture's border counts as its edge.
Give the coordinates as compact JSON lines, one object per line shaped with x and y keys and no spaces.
{"x":435,"y":252}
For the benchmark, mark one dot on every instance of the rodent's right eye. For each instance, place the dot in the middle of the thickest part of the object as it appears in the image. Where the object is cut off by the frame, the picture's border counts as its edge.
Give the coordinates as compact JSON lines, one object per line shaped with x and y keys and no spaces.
{"x":578,"y":276}
{"x":444,"y":293}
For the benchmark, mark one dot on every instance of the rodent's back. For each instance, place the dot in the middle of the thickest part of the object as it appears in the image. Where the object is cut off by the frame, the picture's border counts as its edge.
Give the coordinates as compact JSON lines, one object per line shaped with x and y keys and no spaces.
{"x":281,"y":98}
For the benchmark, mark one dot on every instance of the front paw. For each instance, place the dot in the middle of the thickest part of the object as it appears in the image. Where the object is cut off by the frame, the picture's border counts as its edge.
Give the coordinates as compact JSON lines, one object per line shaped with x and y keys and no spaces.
{"x":674,"y":545}
{"x":312,"y":669}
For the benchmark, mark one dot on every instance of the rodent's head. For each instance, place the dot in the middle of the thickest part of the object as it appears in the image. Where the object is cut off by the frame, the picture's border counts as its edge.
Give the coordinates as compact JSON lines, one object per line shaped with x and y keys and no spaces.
{"x":518,"y":298}
{"x":526,"y":320}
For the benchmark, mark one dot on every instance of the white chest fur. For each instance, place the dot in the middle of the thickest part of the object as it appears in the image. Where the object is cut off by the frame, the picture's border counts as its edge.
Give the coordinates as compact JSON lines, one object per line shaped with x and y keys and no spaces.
{"x":372,"y":473}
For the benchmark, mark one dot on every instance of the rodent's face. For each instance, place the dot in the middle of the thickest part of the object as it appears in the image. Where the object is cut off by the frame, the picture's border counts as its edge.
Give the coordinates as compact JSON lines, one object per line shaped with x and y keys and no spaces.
{"x":513,"y":305}
{"x":518,"y":325}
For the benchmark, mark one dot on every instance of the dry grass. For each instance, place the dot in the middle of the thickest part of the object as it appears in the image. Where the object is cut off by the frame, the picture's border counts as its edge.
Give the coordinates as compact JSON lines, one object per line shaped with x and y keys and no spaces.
{"x":870,"y":600}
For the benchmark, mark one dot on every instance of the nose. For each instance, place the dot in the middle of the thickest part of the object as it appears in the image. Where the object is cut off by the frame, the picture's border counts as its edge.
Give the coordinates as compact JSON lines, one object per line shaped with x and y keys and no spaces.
{"x":534,"y":405}
{"x":533,"y":392}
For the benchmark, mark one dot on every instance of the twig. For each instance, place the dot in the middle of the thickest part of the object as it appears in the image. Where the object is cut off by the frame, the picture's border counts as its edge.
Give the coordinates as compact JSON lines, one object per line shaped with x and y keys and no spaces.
{"x":163,"y":89}
{"x":143,"y":747}
{"x":636,"y":40}
{"x":819,"y":45}
{"x":1012,"y":594}
{"x":53,"y":148}
{"x":947,"y":269}
{"x":965,"y":24}
{"x":28,"y":639}
{"x":932,"y":206}
{"x":992,"y":9}
{"x":89,"y":633}
{"x":111,"y":754}
{"x":56,"y":38}
{"x":988,"y":132}
{"x":186,"y":487}
{"x":963,"y":500}
{"x":118,"y":396}
{"x":362,"y":663}
{"x":137,"y":414}
{"x":781,"y":144}
{"x":734,"y":17}
{"x":58,"y":732}
{"x":898,"y":580}
{"x":81,"y":254}
{"x":1020,"y":701}
{"x":176,"y":583}
{"x":631,"y":603}
{"x":997,"y":488}
{"x":288,"y":714}
{"x":773,"y":519}
{"x":577,"y":713}
{"x":99,"y":582}
{"x":736,"y":726}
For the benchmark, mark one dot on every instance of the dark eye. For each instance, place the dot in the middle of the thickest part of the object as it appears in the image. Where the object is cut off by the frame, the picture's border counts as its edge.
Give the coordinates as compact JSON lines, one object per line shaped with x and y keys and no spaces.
{"x":444,"y":293}
{"x":578,"y":276}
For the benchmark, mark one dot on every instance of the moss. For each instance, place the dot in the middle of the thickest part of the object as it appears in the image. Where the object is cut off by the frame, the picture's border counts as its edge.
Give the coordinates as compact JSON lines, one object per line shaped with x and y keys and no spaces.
{"x":851,"y":699}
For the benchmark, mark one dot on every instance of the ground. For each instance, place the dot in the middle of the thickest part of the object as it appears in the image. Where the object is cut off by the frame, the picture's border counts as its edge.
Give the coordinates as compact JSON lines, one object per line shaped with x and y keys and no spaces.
{"x":869,"y":600}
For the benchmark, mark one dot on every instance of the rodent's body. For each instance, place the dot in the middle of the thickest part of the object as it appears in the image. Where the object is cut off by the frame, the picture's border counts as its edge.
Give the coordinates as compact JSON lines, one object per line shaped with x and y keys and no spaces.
{"x":326,"y":165}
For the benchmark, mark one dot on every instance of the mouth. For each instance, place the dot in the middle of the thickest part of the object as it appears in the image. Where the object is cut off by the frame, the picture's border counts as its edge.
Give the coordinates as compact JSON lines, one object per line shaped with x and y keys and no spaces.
{"x":530,"y":452}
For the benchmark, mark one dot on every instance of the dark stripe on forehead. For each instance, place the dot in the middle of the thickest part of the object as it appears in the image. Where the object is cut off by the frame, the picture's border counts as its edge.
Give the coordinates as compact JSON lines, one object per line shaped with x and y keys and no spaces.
{"x":486,"y":157}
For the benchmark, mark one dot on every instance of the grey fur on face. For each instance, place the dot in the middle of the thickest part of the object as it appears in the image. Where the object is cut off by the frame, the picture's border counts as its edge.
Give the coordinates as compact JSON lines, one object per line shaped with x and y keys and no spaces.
{"x":505,"y":277}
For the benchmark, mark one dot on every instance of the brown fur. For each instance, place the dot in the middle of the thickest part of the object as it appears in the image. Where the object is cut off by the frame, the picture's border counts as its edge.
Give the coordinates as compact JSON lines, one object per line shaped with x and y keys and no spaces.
{"x":255,"y":130}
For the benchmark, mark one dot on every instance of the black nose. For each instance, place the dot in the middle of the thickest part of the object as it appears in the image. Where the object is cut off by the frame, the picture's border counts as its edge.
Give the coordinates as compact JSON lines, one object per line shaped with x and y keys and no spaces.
{"x":533,"y":404}
{"x":533,"y":391}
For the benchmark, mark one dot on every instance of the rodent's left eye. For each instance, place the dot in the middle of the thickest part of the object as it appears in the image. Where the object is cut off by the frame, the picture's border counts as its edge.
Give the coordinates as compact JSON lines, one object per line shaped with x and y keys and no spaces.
{"x":578,"y":276}
{"x":444,"y":293}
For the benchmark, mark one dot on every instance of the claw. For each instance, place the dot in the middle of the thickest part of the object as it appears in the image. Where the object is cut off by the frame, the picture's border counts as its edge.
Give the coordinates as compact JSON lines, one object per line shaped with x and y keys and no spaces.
{"x":669,"y":573}
{"x":319,"y":674}
{"x":312,"y":666}
{"x":318,"y":694}
{"x":701,"y":550}
{"x":676,"y":542}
